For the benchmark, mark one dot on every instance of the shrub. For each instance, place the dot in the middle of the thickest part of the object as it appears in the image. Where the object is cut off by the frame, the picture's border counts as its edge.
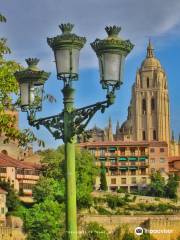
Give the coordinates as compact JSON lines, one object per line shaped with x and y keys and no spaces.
{"x":94,"y":231}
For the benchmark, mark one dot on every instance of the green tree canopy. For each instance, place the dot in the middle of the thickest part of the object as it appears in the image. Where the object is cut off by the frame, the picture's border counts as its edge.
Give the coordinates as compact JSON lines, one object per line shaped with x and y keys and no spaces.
{"x":9,"y":90}
{"x":157,"y":185}
{"x":103,"y":181}
{"x":45,"y":221}
{"x":54,"y":176}
{"x":12,"y":199}
{"x":171,"y":186}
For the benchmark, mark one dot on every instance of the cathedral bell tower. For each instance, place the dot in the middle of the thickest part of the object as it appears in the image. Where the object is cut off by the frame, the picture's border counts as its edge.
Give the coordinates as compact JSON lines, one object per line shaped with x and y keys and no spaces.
{"x":150,"y":101}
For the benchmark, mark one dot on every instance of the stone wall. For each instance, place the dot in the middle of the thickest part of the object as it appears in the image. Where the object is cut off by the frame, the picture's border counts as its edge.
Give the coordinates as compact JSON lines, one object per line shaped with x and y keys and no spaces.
{"x":149,"y":222}
{"x":11,"y":234}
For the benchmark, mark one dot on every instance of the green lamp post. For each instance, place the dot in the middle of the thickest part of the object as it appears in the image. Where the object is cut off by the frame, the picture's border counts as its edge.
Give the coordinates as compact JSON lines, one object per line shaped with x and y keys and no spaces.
{"x":71,"y":122}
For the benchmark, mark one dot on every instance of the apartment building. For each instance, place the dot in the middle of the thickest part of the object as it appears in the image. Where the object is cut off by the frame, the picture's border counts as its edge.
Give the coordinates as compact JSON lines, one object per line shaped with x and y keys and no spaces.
{"x":128,"y":164}
{"x":22,"y":176}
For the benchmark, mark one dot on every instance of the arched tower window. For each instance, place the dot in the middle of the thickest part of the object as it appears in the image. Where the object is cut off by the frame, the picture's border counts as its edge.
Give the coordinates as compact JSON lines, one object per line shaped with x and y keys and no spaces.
{"x":144,"y":106}
{"x":154,"y":135}
{"x":147,"y":82}
{"x":152,"y":104}
{"x":143,"y":135}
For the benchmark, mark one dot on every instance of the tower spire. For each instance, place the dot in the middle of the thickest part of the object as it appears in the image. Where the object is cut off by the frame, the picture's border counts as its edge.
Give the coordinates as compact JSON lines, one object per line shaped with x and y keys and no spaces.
{"x":150,"y":50}
{"x":172,"y":137}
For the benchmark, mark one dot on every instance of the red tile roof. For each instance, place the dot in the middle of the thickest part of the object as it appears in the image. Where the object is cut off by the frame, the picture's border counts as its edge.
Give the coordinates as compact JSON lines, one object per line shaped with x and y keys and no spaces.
{"x":124,"y":143}
{"x":2,"y":191}
{"x":7,"y":161}
{"x":172,"y":159}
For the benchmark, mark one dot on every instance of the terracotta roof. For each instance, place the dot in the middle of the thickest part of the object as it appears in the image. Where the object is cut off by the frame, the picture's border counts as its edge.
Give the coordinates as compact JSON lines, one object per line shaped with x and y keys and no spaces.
{"x":173,"y":159}
{"x":7,"y":161}
{"x":2,"y":191}
{"x":123,"y":143}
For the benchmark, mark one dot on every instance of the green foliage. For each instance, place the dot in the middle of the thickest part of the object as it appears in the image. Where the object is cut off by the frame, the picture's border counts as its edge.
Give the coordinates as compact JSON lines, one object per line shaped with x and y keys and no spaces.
{"x":128,"y":236}
{"x":103,"y":211}
{"x":48,"y":188}
{"x":117,"y":233}
{"x":86,"y":172}
{"x":12,"y":200}
{"x":9,"y":100}
{"x":157,"y":185}
{"x":94,"y":231}
{"x":103,"y":181}
{"x":171,"y":187}
{"x":45,"y":221}
{"x":116,"y":201}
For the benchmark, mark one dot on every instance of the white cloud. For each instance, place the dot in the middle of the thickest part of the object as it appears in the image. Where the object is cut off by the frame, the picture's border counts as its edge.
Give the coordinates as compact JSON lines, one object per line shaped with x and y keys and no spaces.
{"x":30,"y":22}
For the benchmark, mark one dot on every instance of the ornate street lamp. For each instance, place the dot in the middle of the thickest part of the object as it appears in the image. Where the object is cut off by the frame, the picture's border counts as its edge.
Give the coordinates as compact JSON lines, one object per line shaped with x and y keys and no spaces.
{"x":71,"y":122}
{"x":31,"y":83}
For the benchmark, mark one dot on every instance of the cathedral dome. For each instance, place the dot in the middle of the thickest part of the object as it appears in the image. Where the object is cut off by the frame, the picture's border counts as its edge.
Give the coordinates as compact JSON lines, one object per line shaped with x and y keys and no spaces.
{"x":126,"y":126}
{"x":150,"y":61}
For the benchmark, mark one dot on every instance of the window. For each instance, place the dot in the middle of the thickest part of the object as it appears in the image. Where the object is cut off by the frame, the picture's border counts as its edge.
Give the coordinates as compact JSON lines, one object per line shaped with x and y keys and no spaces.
{"x":162,"y":160}
{"x":152,"y":170}
{"x":113,"y":180}
{"x":143,"y":180}
{"x":2,"y":210}
{"x":161,"y":150}
{"x":102,"y":151}
{"x":123,"y":172}
{"x":142,"y":151}
{"x":92,"y":151}
{"x":147,"y":82}
{"x":144,"y":106}
{"x":132,"y":151}
{"x":143,"y":171}
{"x":122,"y":150}
{"x":2,"y":170}
{"x":133,"y":172}
{"x":154,"y":134}
{"x":152,"y":104}
{"x":152,"y":160}
{"x":152,"y":150}
{"x":143,"y":135}
{"x":161,"y":169}
{"x":133,"y":180}
{"x":123,"y":180}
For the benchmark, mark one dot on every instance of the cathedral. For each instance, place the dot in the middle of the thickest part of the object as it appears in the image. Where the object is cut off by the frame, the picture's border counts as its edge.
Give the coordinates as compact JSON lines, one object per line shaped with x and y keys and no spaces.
{"x":149,"y":112}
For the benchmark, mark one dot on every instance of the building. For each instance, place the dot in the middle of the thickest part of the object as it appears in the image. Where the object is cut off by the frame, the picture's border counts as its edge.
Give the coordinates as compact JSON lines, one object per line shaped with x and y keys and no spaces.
{"x":148,"y":112}
{"x":147,"y":126}
{"x":22,"y":176}
{"x":3,"y":208}
{"x":12,"y":148}
{"x":128,"y":164}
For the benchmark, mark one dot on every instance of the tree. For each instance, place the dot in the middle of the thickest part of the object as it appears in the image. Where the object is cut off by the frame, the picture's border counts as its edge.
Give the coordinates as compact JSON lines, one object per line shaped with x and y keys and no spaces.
{"x":86,"y":172}
{"x":12,"y":199}
{"x":94,"y":231}
{"x":171,"y":187}
{"x":9,"y":100}
{"x":128,"y":236}
{"x":157,"y":186}
{"x":45,"y":221}
{"x":48,"y":188}
{"x":103,"y":182}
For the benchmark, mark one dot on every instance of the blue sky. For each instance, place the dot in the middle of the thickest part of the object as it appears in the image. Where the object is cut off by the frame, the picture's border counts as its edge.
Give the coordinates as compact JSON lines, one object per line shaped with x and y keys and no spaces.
{"x":31,"y":22}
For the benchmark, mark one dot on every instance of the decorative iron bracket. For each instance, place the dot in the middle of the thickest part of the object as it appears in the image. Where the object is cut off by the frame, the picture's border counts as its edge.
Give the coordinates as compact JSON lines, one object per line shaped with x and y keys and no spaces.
{"x":82,"y":116}
{"x":54,"y":124}
{"x":79,"y":118}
